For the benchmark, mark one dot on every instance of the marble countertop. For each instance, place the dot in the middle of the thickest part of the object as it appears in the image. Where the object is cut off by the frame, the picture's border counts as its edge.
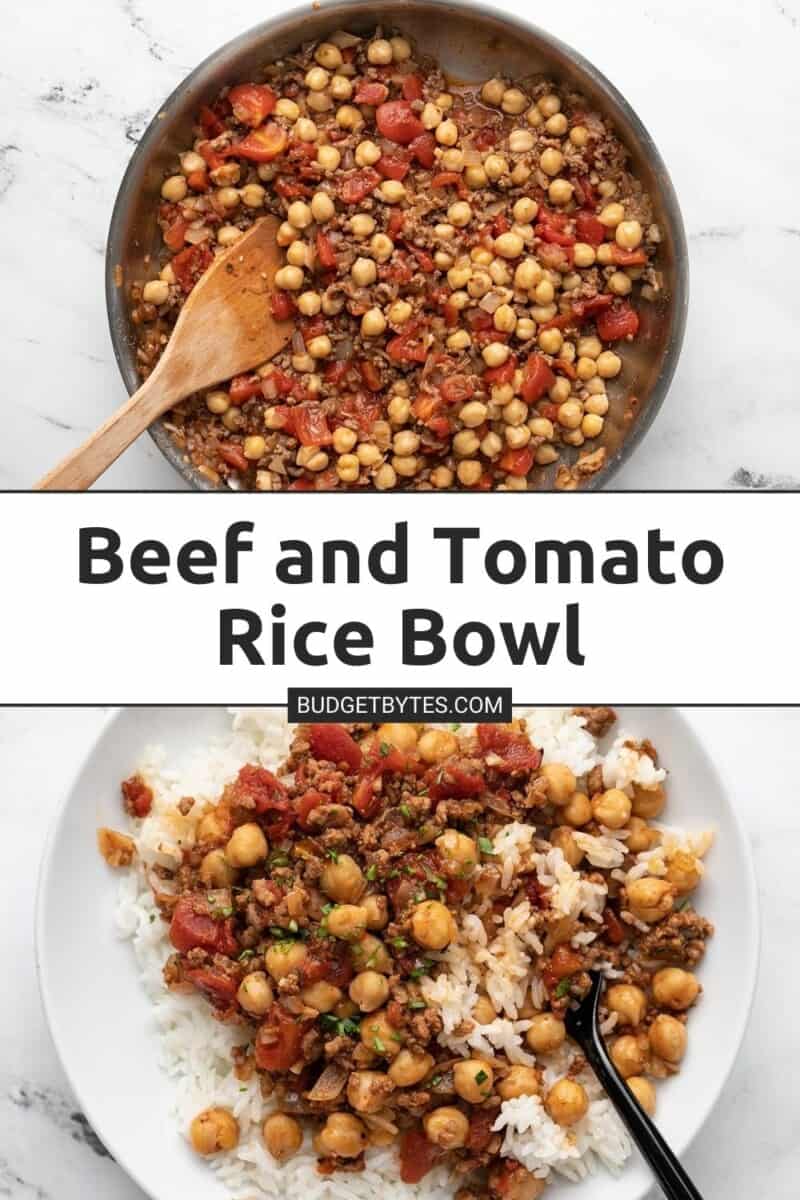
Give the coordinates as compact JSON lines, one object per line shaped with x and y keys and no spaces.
{"x":749,"y":1147}
{"x":716,"y":85}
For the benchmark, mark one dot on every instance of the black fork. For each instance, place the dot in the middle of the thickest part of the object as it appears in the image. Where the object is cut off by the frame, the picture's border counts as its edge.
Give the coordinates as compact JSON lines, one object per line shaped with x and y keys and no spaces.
{"x":583,"y":1027}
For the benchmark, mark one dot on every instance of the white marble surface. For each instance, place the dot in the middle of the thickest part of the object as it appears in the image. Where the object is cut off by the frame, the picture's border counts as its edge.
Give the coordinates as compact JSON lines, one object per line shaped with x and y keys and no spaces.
{"x":716,"y":84}
{"x":749,"y":1147}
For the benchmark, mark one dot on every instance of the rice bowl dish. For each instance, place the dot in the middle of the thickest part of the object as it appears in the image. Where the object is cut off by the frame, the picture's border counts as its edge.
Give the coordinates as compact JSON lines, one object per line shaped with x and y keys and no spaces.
{"x":523,"y":915}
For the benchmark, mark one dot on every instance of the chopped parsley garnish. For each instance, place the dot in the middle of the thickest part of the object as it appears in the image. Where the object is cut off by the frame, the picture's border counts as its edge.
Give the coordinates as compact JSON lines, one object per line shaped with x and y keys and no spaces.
{"x":371,"y":872}
{"x":436,"y":1079}
{"x":333,"y":855}
{"x":455,"y":728}
{"x":486,"y":845}
{"x":406,"y":811}
{"x":385,"y":749}
{"x":379,"y":1046}
{"x":481,"y":1077}
{"x":422,"y":968}
{"x":399,"y":943}
{"x":279,"y":859}
{"x":684,"y":904}
{"x":563,"y":988}
{"x":344,"y":1026}
{"x":243,"y":957}
{"x":417,"y":1004}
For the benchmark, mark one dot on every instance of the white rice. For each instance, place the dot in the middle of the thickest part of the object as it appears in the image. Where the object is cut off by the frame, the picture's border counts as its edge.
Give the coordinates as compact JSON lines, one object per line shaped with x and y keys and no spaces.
{"x":195,"y":1050}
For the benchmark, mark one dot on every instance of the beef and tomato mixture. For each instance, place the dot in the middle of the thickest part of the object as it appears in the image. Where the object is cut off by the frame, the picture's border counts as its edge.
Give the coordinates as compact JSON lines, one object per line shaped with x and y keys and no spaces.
{"x":397,"y":920}
{"x":463,"y":270}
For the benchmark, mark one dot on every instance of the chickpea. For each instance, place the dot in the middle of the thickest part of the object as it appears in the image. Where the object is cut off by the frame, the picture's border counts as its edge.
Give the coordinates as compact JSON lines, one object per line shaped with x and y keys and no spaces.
{"x":322,"y":207}
{"x":546,"y":1033}
{"x":399,"y":312}
{"x":684,"y":872}
{"x":493,"y":91}
{"x":560,"y":192}
{"x":373,"y":323}
{"x":629,"y":1055}
{"x":253,"y":195}
{"x":609,"y":365}
{"x":495,"y":354}
{"x":322,"y":996}
{"x":175,"y":188}
{"x":409,"y":1067}
{"x":369,"y":953}
{"x":369,"y":990}
{"x":446,"y":1127}
{"x":213,"y":1130}
{"x":289,"y":278}
{"x":473,"y":1079}
{"x":342,"y":1135}
{"x":596,"y":403}
{"x":550,"y":340}
{"x":343,"y":441}
{"x":156,"y":291}
{"x":282,"y":1136}
{"x":446,"y":133}
{"x":442,"y":477}
{"x":628,"y":235}
{"x":611,"y":215}
{"x":385,"y":478}
{"x":328,"y":158}
{"x":551,"y":161}
{"x":484,"y":1011}
{"x":584,"y":255}
{"x":640,"y":836}
{"x":347,"y":468}
{"x":347,"y":921}
{"x":651,"y":899}
{"x":509,"y":245}
{"x":379,"y":1035}
{"x":328,"y":55}
{"x":287,"y":109}
{"x":401,"y":736}
{"x":432,"y":925}
{"x":492,"y":445}
{"x":379,"y":52}
{"x":560,"y":783}
{"x":284,"y":958}
{"x":578,"y":809}
{"x":564,"y":840}
{"x":459,"y":852}
{"x":620,"y":284}
{"x":514,"y":101}
{"x":668,"y":1038}
{"x":520,"y":141}
{"x":459,"y":214}
{"x":644,"y":1092}
{"x":392,"y":191}
{"x":520,"y":1081}
{"x":377,"y":911}
{"x":366,"y":1090}
{"x":674,"y":988}
{"x":401,"y":49}
{"x":611,"y":808}
{"x":341,"y":88}
{"x":406,"y":466}
{"x":435,"y":745}
{"x":475,"y":176}
{"x":495,"y":166}
{"x":255,"y":993}
{"x":469,"y":471}
{"x":228,"y":234}
{"x":566,"y":1103}
{"x":317,"y":79}
{"x":465,"y":443}
{"x":556,"y":125}
{"x":216,"y":871}
{"x":247,"y":846}
{"x":648,"y":802}
{"x":298,"y":253}
{"x":628,"y":1002}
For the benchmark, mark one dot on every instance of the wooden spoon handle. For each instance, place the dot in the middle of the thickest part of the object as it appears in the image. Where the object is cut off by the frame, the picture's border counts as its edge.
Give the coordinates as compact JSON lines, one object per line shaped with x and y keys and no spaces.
{"x":83,"y":466}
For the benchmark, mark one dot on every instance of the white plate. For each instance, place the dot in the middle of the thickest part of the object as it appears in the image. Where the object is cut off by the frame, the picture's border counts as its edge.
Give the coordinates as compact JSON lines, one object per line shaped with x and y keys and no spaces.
{"x":102,"y":1023}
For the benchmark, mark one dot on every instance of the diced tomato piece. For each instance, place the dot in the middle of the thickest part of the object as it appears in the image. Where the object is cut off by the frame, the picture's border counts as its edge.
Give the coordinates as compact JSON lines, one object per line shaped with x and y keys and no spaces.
{"x":627,"y":258}
{"x":252,"y":103}
{"x":550,"y":232}
{"x":262,"y":145}
{"x":217,"y":987}
{"x":197,"y":181}
{"x":193,"y":928}
{"x":331,"y":962}
{"x":455,"y":781}
{"x":137,"y":796}
{"x":336,"y":371}
{"x":366,"y":800}
{"x":303,"y":484}
{"x":210,"y":123}
{"x":370,"y":92}
{"x":310,"y":425}
{"x":190,"y":264}
{"x":305,"y":805}
{"x":282,"y":306}
{"x":412,"y":88}
{"x":517,"y":462}
{"x":326,"y":252}
{"x":446,"y":179}
{"x":407,"y":347}
{"x":393,"y":166}
{"x":563,"y":367}
{"x":588,"y":229}
{"x":362,"y":408}
{"x":423,"y":148}
{"x":243,"y":388}
{"x":291,"y":189}
{"x":537,"y":378}
{"x":396,"y":222}
{"x":486,"y":137}
{"x":257,"y":789}
{"x":423,"y":258}
{"x":417,"y":1156}
{"x":370,"y":374}
{"x":334,"y":743}
{"x":514,"y":749}
{"x":232,"y":454}
{"x":397,"y":122}
{"x":426,"y":405}
{"x":283,"y":383}
{"x":480,"y":1125}
{"x":312,"y":327}
{"x":617,"y":322}
{"x":564,"y":962}
{"x":503,"y":374}
{"x":615,"y":930}
{"x":456,"y":389}
{"x":213,"y":158}
{"x":358,"y":186}
{"x":279,"y":1040}
{"x":175,"y":233}
{"x":585,"y":308}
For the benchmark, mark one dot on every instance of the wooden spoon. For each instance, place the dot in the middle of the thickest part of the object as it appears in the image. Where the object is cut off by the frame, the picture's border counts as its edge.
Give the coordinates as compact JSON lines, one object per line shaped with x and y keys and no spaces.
{"x":224,"y":328}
